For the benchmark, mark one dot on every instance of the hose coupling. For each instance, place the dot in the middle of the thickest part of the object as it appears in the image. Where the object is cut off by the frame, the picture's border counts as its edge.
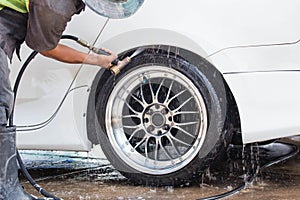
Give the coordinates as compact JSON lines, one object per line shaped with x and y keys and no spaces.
{"x":84,"y":43}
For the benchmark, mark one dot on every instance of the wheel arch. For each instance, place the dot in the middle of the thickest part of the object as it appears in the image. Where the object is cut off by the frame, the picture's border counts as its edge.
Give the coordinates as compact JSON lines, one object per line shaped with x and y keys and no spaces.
{"x":156,"y":36}
{"x":232,"y":115}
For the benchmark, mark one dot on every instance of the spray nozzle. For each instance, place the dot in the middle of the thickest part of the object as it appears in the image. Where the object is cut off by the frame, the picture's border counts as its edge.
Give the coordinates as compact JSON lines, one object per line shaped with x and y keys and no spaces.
{"x":115,"y":69}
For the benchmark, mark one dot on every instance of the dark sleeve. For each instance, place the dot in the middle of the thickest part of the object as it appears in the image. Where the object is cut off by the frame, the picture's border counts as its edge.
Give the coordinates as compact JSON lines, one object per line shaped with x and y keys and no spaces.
{"x":47,"y":20}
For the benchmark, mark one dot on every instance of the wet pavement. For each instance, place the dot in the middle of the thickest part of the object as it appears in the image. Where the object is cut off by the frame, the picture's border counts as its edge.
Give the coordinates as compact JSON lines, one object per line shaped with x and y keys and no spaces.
{"x":68,"y":178}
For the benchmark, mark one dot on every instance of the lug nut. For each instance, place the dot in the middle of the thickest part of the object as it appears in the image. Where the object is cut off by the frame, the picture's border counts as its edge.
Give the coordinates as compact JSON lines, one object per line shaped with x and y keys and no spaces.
{"x":150,"y":128}
{"x":150,"y":112}
{"x":166,"y":127}
{"x":164,"y":111}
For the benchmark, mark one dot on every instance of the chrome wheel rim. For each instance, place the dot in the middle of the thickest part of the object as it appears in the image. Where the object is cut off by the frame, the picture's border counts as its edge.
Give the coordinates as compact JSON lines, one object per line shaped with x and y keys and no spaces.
{"x":156,"y":120}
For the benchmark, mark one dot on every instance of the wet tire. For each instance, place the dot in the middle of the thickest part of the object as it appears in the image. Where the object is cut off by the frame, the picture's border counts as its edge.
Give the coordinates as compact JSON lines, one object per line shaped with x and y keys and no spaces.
{"x":162,"y":118}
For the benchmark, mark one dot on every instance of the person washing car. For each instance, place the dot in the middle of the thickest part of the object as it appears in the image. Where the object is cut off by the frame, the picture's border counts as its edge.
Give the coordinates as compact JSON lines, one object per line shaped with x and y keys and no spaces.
{"x":40,"y":23}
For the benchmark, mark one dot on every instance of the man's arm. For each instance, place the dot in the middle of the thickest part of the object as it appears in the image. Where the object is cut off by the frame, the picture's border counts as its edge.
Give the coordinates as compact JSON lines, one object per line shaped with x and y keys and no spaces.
{"x":69,"y":55}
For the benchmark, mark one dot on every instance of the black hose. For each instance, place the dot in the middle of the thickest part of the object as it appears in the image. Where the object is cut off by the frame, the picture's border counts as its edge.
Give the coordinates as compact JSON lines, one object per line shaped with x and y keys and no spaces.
{"x":11,"y":118}
{"x":11,"y":123}
{"x":33,"y":183}
{"x":17,"y":83}
{"x":22,"y":70}
{"x":226,"y":194}
{"x":70,"y":37}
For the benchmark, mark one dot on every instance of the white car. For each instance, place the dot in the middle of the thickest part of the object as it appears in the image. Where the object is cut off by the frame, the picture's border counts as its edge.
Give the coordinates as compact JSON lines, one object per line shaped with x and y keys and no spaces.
{"x":210,"y":71}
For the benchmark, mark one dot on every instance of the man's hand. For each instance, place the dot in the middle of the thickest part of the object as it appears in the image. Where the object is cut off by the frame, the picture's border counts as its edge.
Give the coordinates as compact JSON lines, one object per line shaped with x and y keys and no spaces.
{"x":69,"y":55}
{"x":101,"y":60}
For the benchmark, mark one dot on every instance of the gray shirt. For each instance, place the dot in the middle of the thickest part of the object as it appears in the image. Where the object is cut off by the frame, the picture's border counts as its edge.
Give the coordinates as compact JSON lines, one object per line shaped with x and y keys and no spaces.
{"x":42,"y":28}
{"x":47,"y":20}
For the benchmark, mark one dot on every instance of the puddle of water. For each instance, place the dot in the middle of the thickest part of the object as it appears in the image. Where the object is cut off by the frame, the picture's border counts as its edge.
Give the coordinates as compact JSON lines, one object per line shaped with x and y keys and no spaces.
{"x":280,"y":181}
{"x":69,"y":188}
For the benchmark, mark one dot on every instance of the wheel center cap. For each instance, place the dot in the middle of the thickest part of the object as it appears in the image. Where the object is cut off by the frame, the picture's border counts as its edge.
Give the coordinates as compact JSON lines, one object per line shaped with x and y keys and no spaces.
{"x":158,"y":120}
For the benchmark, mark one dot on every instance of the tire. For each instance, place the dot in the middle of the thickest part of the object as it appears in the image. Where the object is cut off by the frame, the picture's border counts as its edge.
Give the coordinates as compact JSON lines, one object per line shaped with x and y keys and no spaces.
{"x":162,"y":119}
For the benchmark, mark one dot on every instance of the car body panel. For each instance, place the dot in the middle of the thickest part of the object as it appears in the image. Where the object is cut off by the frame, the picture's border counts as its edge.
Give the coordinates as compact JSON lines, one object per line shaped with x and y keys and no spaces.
{"x":215,"y":25}
{"x":268,"y":104}
{"x":261,"y":58}
{"x":244,"y":40}
{"x":42,"y":89}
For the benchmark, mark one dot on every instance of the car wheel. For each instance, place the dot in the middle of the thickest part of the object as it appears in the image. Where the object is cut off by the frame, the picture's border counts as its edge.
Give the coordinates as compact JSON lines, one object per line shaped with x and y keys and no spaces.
{"x":162,"y":118}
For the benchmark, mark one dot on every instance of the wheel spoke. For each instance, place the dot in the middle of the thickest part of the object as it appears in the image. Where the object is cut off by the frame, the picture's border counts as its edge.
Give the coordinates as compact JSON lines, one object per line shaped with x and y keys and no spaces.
{"x":186,"y":112}
{"x":146,"y":148}
{"x":156,"y":150}
{"x":141,"y":142}
{"x":181,"y":105}
{"x":151,"y":90}
{"x":158,"y":90}
{"x":132,"y":127}
{"x":130,"y":108}
{"x":180,"y":141}
{"x":142,"y":95}
{"x":169,"y":92}
{"x":165,"y":151}
{"x":176,"y":95}
{"x":184,"y":131}
{"x":138,"y":100}
{"x":134,"y":132}
{"x":130,"y":116}
{"x":173,"y":145}
{"x":185,"y":123}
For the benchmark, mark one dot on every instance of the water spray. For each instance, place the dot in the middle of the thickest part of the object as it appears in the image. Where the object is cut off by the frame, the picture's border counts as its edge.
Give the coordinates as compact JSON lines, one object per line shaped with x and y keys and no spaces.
{"x":272,"y":153}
